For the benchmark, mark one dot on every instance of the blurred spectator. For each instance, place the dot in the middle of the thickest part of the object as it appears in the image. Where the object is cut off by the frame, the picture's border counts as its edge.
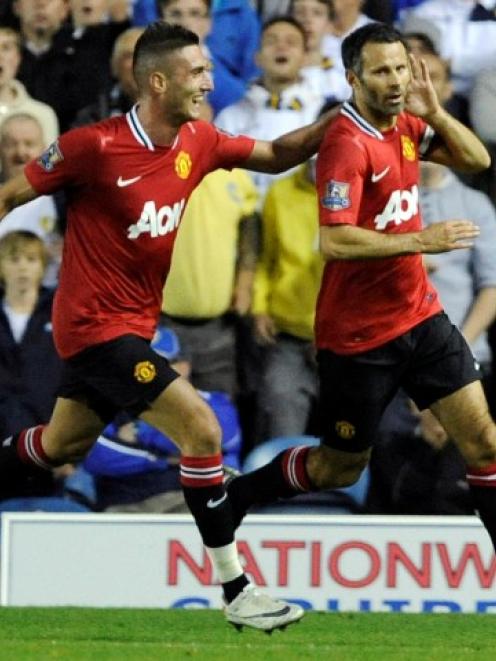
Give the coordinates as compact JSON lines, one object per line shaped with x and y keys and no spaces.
{"x":144,"y":12}
{"x":285,"y":292}
{"x":119,"y":98}
{"x":30,"y":368}
{"x":229,"y":85}
{"x":21,"y":140}
{"x":13,"y":96}
{"x":420,"y":44}
{"x":281,"y":100}
{"x":268,"y":9}
{"x":482,"y":104}
{"x":319,"y":70}
{"x":234,"y":37}
{"x":64,"y":65}
{"x":464,"y":32}
{"x":346,"y":16}
{"x":211,"y":276}
{"x":136,"y":467}
{"x":7,"y":16}
{"x":400,"y":8}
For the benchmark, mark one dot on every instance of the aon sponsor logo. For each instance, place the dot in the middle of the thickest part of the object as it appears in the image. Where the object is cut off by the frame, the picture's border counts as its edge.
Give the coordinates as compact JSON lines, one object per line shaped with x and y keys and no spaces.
{"x":156,"y":222}
{"x":402,"y":205}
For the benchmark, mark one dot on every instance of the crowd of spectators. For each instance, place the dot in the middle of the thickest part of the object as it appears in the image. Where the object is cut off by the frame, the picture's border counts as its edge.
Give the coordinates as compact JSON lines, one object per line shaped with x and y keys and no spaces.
{"x":239,"y":303}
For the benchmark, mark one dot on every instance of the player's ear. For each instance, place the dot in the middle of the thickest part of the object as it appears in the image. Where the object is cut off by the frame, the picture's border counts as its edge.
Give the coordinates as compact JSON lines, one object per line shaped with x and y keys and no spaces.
{"x":351,"y":78}
{"x":158,"y":82}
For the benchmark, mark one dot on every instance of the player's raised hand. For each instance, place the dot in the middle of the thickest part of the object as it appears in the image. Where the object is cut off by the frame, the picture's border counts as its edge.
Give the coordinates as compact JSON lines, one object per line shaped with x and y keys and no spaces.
{"x":421,"y":98}
{"x":448,"y":235}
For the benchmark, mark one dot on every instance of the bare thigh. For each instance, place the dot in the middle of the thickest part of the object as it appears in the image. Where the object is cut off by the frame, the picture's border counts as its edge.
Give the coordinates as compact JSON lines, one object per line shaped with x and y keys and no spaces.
{"x":72,"y":430}
{"x":465,"y":417}
{"x":181,"y":414}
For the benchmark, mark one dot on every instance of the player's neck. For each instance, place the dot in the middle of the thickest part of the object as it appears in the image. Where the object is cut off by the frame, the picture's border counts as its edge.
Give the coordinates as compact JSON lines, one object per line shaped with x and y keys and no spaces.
{"x":379,"y":120}
{"x":160,"y":132}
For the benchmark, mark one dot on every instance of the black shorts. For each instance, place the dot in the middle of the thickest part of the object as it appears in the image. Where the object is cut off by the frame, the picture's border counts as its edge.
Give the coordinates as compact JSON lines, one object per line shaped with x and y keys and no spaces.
{"x":124,"y":374}
{"x":429,"y":362}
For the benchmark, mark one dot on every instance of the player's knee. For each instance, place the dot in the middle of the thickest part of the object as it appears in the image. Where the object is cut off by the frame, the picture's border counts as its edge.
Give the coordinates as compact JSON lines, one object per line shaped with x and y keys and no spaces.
{"x":206,"y":436}
{"x":330,"y":469}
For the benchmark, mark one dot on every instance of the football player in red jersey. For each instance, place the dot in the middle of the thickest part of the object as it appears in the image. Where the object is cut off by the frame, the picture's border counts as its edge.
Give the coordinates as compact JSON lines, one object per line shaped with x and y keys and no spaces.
{"x":127,"y":181}
{"x":379,"y":323}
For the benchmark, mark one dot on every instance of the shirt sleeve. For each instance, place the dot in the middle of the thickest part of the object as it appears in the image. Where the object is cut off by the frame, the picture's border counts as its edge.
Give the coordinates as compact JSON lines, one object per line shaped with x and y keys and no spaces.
{"x":422,"y":133}
{"x":225,"y":150}
{"x":69,"y":161}
{"x":341,"y":168}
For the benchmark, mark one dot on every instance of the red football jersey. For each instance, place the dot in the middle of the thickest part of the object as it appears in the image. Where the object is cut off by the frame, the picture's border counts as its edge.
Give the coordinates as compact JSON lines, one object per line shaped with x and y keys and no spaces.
{"x":125,"y":197}
{"x":370,"y":179}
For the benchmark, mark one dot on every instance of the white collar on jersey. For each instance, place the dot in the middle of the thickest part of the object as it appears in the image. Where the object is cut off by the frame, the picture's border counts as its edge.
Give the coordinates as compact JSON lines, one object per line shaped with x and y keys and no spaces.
{"x":349,"y":111}
{"x":137,"y":129}
{"x":139,"y":132}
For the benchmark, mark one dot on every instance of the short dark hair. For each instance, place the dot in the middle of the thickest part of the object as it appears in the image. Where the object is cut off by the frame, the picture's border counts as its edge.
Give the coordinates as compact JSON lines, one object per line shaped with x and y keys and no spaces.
{"x":376,"y":33}
{"x":159,"y":40}
{"x":284,"y":18}
{"x":426,"y":43}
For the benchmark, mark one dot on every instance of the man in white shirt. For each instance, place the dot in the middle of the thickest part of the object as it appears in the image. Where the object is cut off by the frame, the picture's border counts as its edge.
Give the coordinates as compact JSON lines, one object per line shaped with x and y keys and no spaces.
{"x":281,"y":100}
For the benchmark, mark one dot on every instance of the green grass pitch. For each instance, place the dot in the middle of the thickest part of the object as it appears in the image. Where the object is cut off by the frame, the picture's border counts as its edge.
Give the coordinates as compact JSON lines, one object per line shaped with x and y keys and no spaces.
{"x":72,"y":634}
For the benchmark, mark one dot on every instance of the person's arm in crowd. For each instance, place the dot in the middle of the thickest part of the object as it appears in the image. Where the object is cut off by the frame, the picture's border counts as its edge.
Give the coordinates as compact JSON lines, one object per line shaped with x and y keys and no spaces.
{"x":291,"y":148}
{"x":481,"y":314}
{"x":455,"y":145}
{"x":14,"y":192}
{"x":248,"y":248}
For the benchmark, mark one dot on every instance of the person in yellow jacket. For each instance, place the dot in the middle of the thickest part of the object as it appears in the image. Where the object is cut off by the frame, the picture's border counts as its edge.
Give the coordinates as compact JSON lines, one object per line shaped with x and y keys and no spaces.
{"x":286,"y":284}
{"x":211,"y":276}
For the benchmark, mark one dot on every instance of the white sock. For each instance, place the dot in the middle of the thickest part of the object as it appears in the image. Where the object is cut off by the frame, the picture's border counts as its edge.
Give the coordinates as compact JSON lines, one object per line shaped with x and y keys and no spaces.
{"x":226,"y":562}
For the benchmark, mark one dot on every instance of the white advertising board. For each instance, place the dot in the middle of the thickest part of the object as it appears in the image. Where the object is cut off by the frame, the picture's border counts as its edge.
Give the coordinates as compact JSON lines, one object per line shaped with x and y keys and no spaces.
{"x":337,"y":563}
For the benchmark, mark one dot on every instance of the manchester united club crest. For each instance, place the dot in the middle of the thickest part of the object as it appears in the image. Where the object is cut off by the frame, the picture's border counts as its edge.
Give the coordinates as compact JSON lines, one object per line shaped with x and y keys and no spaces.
{"x":183,"y":164}
{"x":145,"y":371}
{"x":345,"y":429}
{"x":408,"y":148}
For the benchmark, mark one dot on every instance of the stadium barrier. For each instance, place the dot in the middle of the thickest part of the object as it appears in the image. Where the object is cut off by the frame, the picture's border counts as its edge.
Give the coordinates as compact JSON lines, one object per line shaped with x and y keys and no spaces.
{"x":325,"y":562}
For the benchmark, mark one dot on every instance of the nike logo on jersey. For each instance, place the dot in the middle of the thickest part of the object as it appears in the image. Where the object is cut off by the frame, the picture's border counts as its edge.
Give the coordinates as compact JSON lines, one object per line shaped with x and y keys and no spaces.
{"x":377,"y":177}
{"x":127,"y":182}
{"x":211,"y":504}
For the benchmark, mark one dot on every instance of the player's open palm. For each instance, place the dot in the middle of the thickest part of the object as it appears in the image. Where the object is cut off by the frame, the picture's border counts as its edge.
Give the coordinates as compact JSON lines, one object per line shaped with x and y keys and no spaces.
{"x":421,"y":98}
{"x":448,"y":235}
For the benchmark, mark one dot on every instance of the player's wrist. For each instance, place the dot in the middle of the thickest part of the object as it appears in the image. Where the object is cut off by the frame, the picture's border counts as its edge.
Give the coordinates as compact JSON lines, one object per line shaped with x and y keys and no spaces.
{"x":436,"y":116}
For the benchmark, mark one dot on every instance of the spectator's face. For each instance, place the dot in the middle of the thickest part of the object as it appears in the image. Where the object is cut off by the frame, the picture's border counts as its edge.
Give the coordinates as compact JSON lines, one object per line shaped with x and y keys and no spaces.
{"x":21,"y":140}
{"x":22,"y":269}
{"x":345,"y":8}
{"x":10,"y":57}
{"x":282,"y":52}
{"x":314,"y":17}
{"x":438,"y":72}
{"x":384,"y":78}
{"x":122,"y":63}
{"x":88,"y":12}
{"x":41,"y":16}
{"x":191,"y":14}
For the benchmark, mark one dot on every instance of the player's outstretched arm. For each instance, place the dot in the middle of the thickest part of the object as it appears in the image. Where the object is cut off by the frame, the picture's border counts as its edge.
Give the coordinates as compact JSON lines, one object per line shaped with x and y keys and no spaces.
{"x":348,"y":242}
{"x":16,"y":191}
{"x":291,"y":148}
{"x":456,"y":146}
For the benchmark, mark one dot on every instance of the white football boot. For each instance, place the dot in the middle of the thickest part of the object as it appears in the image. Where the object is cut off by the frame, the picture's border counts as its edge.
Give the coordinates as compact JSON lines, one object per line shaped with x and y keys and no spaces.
{"x":256,"y":609}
